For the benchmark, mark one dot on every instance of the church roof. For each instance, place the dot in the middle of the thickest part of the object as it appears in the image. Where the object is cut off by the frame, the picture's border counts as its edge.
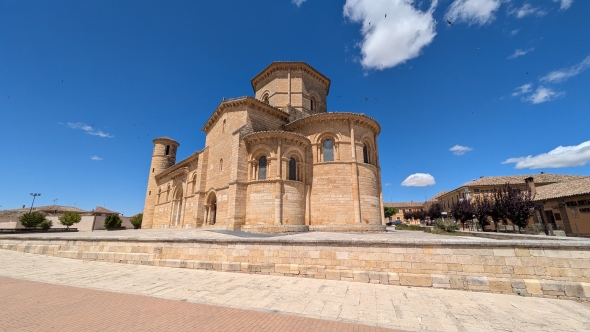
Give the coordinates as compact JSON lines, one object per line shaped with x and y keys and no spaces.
{"x":236,"y":102}
{"x":166,"y":138}
{"x":316,"y":117}
{"x":282,"y":65}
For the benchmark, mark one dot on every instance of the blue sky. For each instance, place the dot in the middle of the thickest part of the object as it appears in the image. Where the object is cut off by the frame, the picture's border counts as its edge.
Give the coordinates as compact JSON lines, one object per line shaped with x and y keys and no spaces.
{"x":85,"y":86}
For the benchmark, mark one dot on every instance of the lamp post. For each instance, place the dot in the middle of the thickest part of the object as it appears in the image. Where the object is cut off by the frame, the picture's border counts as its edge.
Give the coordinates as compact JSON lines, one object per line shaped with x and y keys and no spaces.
{"x":34,"y":195}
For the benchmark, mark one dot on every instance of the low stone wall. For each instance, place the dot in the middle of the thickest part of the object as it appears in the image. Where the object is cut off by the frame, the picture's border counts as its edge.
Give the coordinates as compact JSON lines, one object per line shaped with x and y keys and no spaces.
{"x":544,"y":269}
{"x":274,"y":229}
{"x":348,"y":228}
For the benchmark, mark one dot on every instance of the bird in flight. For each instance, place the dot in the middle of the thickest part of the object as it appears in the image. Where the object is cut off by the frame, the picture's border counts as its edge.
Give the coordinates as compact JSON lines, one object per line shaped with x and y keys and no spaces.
{"x":369,"y":23}
{"x":450,"y":22}
{"x":366,"y":99}
{"x":385,"y":15}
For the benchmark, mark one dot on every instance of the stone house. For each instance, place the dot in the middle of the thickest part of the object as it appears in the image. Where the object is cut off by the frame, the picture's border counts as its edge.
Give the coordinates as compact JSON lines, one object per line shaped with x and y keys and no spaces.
{"x":275,"y":162}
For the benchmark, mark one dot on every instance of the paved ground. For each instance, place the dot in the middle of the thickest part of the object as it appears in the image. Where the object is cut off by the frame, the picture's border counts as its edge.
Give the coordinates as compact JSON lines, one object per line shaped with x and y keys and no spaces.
{"x":33,"y":306}
{"x":371,"y":304}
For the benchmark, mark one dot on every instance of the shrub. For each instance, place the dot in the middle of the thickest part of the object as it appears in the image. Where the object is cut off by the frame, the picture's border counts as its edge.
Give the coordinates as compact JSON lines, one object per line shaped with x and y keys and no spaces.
{"x":447,"y":226}
{"x":112,"y":221}
{"x":46,"y":224}
{"x":70,"y":218}
{"x":404,"y":227}
{"x":31,"y":219}
{"x":136,"y":220}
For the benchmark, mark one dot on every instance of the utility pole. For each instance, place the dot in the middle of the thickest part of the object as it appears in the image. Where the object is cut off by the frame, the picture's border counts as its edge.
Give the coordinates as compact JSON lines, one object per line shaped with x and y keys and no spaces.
{"x":34,"y":195}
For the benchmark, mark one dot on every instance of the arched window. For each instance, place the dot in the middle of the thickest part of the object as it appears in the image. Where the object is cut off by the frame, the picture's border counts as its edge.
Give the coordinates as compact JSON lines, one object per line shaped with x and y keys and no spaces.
{"x":365,"y":154}
{"x":262,"y":168}
{"x":328,"y":150}
{"x":292,"y":169}
{"x":223,"y":127}
{"x":167,"y":149}
{"x":265,"y":98}
{"x":312,"y":103}
{"x":221,"y":164}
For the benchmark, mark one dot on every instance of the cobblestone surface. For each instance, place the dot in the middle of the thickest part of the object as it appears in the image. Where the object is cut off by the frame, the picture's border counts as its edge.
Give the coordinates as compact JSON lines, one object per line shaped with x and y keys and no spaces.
{"x":371,"y":304}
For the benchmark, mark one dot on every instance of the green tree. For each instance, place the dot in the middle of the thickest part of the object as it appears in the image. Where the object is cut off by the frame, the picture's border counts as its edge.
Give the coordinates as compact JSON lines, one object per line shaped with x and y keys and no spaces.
{"x":389,"y":211}
{"x":137,"y":219}
{"x":112,"y":221}
{"x":70,"y":218}
{"x":31,"y":219}
{"x":46,"y":224}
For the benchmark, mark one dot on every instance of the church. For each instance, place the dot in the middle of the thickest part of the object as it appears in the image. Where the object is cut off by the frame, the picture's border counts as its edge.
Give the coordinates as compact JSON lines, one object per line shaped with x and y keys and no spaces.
{"x":277,"y":162}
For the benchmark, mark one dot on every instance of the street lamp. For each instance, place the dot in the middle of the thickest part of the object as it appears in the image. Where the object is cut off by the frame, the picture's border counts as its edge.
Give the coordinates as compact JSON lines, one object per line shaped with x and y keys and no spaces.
{"x":34,"y":195}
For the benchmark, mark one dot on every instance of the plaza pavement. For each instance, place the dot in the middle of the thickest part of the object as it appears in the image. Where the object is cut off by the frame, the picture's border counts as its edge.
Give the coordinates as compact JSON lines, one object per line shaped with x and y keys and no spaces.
{"x":396,"y":307}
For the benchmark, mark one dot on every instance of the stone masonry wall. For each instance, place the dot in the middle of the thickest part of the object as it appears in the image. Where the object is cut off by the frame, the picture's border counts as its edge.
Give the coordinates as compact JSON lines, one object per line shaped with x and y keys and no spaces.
{"x":539,"y":269}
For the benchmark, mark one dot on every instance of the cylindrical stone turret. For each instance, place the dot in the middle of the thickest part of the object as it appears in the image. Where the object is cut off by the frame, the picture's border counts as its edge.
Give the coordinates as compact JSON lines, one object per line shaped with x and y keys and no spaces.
{"x":163,"y":157}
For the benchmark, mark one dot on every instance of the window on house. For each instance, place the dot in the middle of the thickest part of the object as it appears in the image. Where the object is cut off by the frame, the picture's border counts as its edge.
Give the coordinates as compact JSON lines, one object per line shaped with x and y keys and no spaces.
{"x":153,"y":169}
{"x":328,"y":150}
{"x":262,"y":168}
{"x":292,"y":169}
{"x":410,"y":210}
{"x":365,"y":154}
{"x":167,"y":149}
{"x":583,"y":202}
{"x":403,"y":210}
{"x":265,"y":98}
{"x":223,"y":127}
{"x":312,"y":104}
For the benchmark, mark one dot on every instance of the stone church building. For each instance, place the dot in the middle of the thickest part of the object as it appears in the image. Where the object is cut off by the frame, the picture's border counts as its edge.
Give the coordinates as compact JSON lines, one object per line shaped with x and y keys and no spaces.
{"x":275,"y":162}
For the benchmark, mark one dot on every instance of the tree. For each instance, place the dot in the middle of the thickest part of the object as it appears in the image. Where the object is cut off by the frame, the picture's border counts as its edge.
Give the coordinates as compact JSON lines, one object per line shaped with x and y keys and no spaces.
{"x":435,"y":211}
{"x":408,"y":215}
{"x":31,"y":219}
{"x":112,"y":221}
{"x":517,"y":206}
{"x":46,"y":224}
{"x":419,"y":215}
{"x":70,"y":218}
{"x":462,"y":211}
{"x":138,"y":218}
{"x":482,"y":209}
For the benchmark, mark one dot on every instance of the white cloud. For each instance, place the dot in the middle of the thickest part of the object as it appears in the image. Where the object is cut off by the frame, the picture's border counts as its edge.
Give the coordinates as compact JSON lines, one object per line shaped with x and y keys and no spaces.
{"x":298,"y":2}
{"x":527,"y":10}
{"x":565,"y":4}
{"x":562,"y":156}
{"x":88,"y":129}
{"x":95,"y":158}
{"x":526,"y":88}
{"x":543,"y":94}
{"x":392,"y":40}
{"x":514,"y":32}
{"x":564,"y":74}
{"x":460,"y":150}
{"x":473,"y":11}
{"x":518,"y":52}
{"x":419,"y":180}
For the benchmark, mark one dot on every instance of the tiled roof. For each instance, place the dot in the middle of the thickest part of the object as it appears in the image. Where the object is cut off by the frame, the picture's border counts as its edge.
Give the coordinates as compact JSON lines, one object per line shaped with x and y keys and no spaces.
{"x":403,"y":204}
{"x":519,"y":179}
{"x":100,"y":209}
{"x":564,"y":189}
{"x":58,"y":208}
{"x":436,"y":197}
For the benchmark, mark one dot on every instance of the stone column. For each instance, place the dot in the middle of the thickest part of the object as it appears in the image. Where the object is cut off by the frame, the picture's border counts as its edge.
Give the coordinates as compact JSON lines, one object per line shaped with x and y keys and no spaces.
{"x":278,"y":189}
{"x":355,"y":177}
{"x":206,"y":217}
